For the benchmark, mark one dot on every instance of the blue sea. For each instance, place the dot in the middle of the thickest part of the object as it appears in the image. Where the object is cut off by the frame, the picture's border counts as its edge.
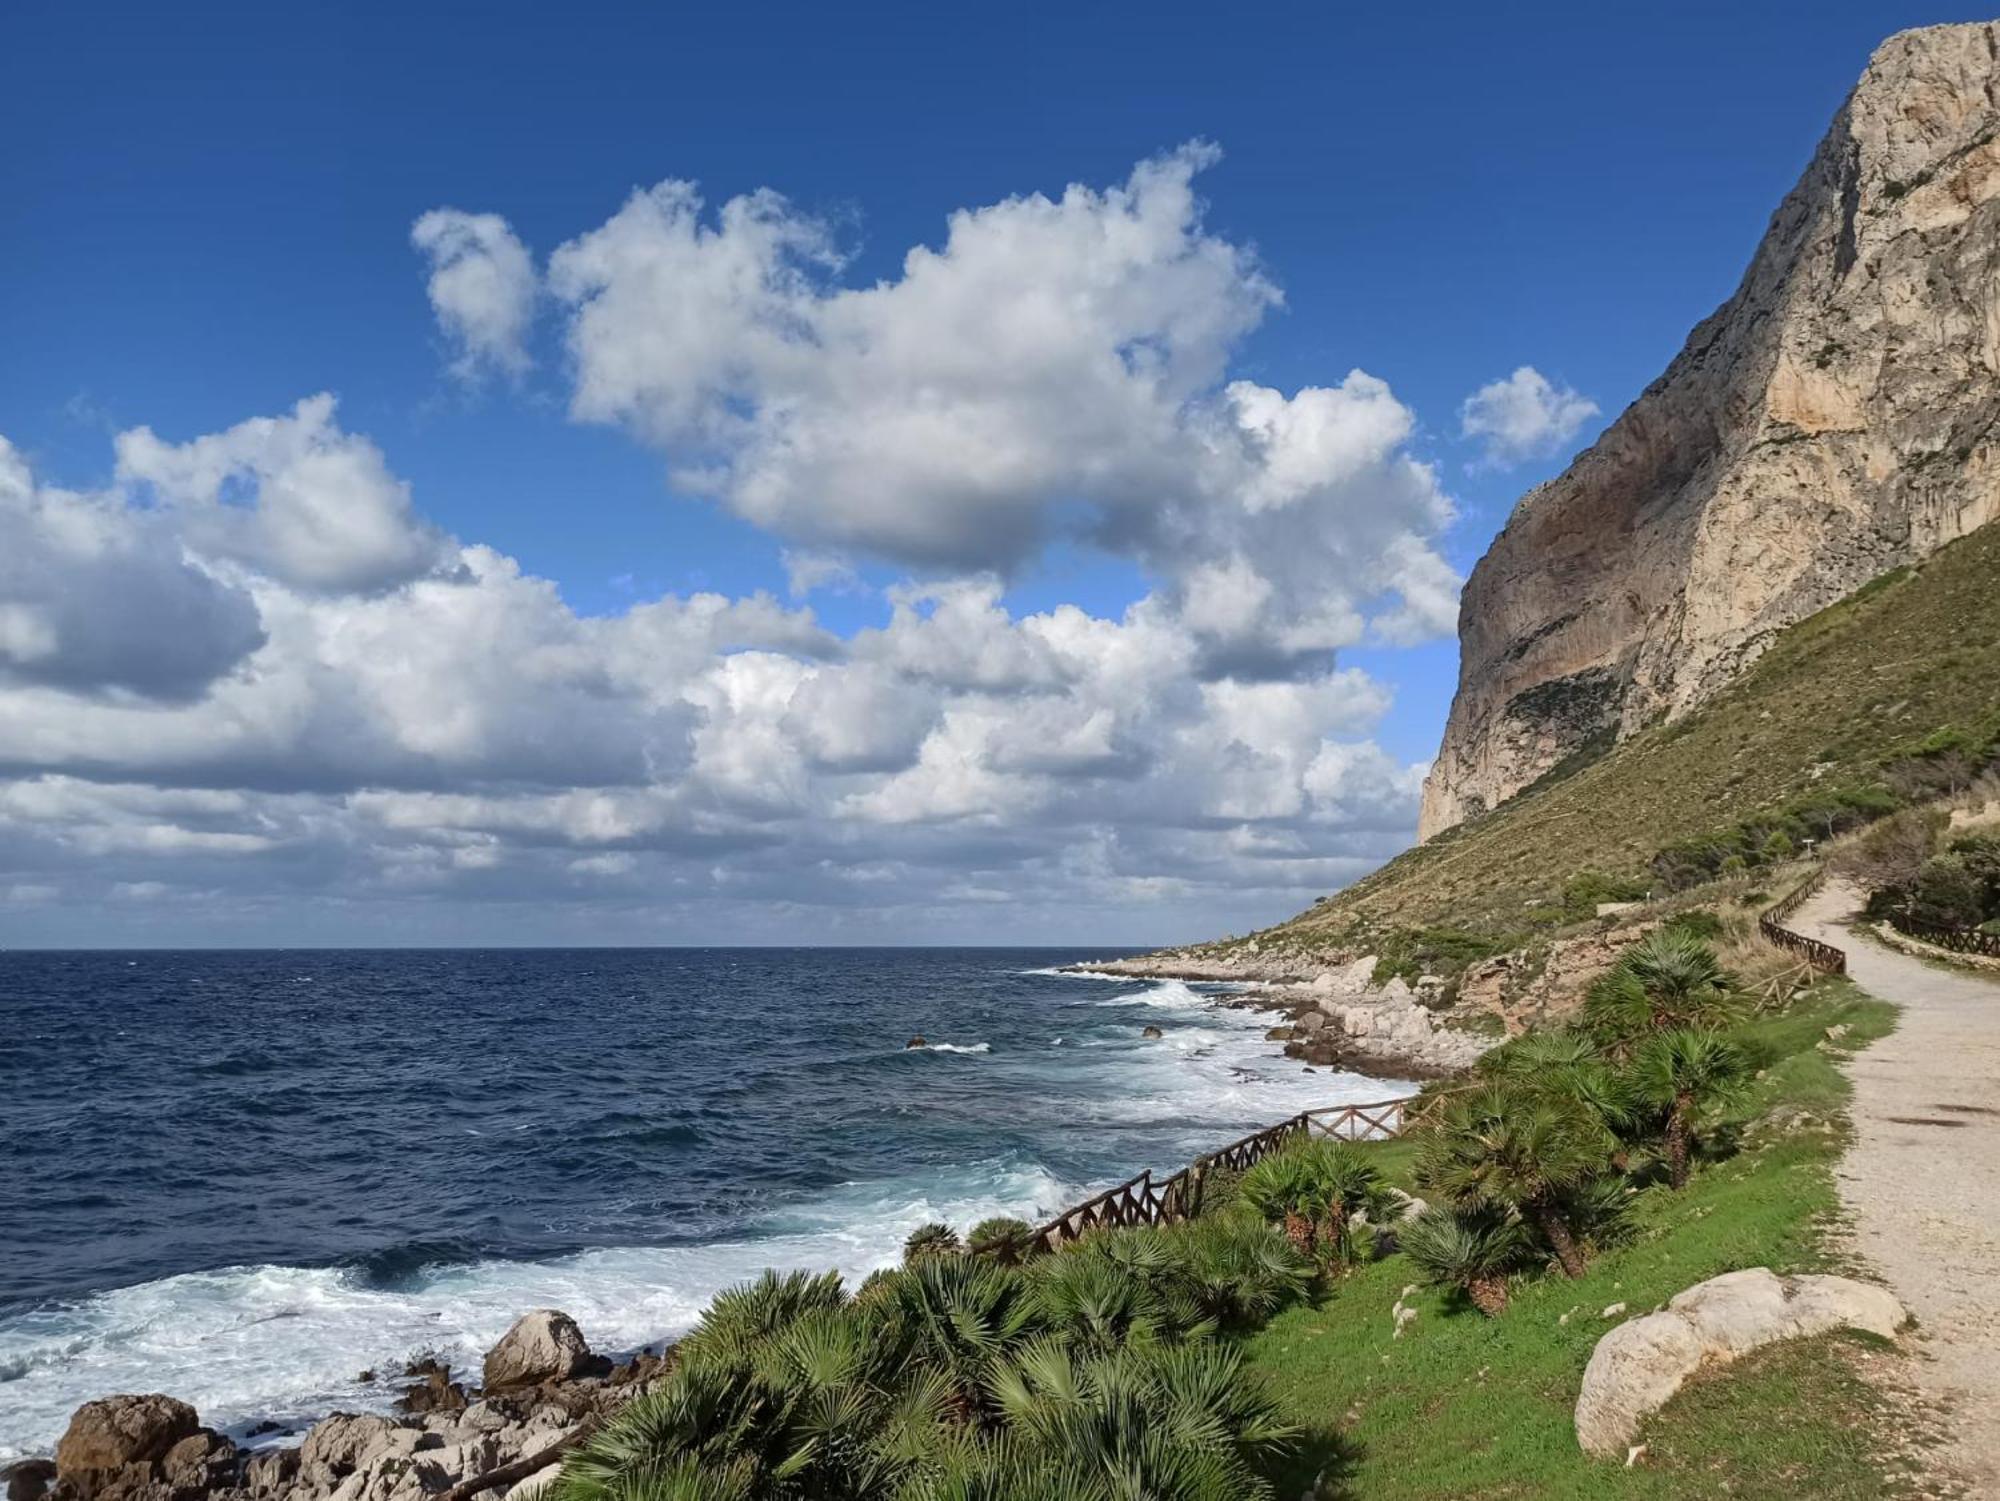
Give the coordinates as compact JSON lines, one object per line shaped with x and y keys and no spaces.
{"x":244,"y":1178}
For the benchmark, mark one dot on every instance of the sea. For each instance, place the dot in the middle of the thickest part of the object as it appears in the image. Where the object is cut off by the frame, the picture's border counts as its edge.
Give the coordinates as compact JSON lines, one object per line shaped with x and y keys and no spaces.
{"x":245,"y":1178}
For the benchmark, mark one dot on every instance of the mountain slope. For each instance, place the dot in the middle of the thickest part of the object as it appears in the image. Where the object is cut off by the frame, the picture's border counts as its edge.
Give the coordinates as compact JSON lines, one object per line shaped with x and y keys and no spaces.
{"x":1833,"y":420}
{"x":1836,"y":700}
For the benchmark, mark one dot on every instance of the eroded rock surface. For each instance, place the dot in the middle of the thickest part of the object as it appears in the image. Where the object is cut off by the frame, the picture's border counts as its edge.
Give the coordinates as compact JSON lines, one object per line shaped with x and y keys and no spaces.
{"x":1638,"y":1366}
{"x":1831,"y":421}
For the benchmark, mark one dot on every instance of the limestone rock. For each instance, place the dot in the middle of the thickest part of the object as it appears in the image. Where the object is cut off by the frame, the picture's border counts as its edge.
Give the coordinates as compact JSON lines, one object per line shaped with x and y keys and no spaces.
{"x":342,"y":1443}
{"x":1639,"y":1365}
{"x":542,"y":1346}
{"x":114,"y":1432}
{"x":1828,"y":423}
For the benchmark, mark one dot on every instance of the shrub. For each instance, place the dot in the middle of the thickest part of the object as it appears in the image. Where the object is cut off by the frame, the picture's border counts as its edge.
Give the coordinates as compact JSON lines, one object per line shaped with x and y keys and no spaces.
{"x":1003,"y":1239}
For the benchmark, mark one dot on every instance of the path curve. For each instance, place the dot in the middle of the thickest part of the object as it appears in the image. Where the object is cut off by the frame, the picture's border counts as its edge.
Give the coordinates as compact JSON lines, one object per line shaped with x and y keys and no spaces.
{"x":1922,"y":1181}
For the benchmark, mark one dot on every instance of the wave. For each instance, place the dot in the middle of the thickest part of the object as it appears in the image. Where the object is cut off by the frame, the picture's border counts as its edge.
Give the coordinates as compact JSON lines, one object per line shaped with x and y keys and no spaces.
{"x":952,"y":1047}
{"x":1085,"y":974}
{"x":285,"y":1343}
{"x":1172,"y":995}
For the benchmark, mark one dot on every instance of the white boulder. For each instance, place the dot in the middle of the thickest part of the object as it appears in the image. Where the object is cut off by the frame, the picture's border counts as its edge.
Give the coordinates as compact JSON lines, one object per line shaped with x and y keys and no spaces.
{"x":1639,"y":1365}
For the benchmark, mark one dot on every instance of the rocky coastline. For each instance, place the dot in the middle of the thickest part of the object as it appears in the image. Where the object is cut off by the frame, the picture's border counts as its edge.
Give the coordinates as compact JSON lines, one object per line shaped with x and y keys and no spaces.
{"x":540,"y":1391}
{"x":1337,"y":1016}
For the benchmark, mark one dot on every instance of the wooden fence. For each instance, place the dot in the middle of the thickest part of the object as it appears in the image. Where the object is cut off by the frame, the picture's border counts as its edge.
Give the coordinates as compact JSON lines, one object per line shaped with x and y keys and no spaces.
{"x":1958,"y":940}
{"x":1823,"y":957}
{"x":1142,"y":1201}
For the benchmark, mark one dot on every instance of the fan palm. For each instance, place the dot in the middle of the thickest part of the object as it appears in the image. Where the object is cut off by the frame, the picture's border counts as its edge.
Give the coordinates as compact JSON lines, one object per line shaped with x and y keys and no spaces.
{"x":1472,"y":1252}
{"x":1508,"y":1149}
{"x":1238,"y":1272}
{"x":959,"y":1317}
{"x":1670,"y":978}
{"x":1003,"y":1239}
{"x":1318,"y":1184}
{"x":742,"y":1318}
{"x":930,"y":1240}
{"x":1683,"y":1072}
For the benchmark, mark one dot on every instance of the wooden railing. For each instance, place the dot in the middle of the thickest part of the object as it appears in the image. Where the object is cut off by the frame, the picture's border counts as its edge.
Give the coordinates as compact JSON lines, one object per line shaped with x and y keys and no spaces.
{"x":1958,"y":940}
{"x":1142,"y":1201}
{"x":1823,"y":957}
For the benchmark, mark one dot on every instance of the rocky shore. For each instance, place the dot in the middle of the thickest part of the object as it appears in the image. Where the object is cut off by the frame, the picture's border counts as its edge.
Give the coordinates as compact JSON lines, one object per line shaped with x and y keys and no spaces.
{"x":540,"y":1390}
{"x":1337,"y":1017}
{"x":1437,"y":1025}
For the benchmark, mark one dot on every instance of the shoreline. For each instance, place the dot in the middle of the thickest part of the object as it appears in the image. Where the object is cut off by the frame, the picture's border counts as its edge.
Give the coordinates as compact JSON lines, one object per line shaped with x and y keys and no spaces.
{"x":288,"y":1413}
{"x":1339,"y":1017}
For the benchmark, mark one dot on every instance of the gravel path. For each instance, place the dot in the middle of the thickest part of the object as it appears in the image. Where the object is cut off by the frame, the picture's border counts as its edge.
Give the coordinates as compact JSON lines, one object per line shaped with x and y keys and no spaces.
{"x":1923,"y":1179}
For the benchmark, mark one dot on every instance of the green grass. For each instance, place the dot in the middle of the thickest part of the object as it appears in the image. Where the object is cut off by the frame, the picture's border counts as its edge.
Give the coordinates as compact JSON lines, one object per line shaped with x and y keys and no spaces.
{"x":1463,"y":1405}
{"x":1871,"y":678}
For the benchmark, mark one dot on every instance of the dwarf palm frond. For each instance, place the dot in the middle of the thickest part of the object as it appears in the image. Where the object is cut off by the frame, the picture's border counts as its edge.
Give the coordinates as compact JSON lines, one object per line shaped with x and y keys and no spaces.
{"x":1472,"y":1251}
{"x":1670,"y":978}
{"x":1516,"y":1150}
{"x":1683,"y":1072}
{"x":1238,"y":1272}
{"x":1003,"y":1238}
{"x":930,"y":1240}
{"x":742,"y":1318}
{"x":1314,"y":1185}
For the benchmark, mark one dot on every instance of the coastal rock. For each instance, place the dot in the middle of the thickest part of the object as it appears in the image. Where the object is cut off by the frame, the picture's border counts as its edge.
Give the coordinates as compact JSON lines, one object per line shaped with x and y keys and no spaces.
{"x":1151,"y":1033}
{"x":545,"y":1345}
{"x":1639,"y":1365}
{"x":1830,"y":422}
{"x":107,"y":1435}
{"x":342,"y":1443}
{"x":915,"y":1042}
{"x":29,"y":1479}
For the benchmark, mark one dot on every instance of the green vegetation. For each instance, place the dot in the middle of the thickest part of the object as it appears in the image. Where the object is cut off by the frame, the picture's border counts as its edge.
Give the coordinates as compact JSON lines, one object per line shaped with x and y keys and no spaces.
{"x":1460,"y":1404}
{"x":1256,"y":1352}
{"x":1905,"y":668}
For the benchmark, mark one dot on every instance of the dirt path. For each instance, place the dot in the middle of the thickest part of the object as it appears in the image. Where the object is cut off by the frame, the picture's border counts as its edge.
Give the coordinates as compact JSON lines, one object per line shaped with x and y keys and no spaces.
{"x":1923,"y":1179}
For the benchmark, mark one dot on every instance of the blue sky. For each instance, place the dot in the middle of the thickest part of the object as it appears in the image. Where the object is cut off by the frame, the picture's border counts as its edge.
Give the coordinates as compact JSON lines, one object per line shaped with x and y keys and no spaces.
{"x":208,"y":216}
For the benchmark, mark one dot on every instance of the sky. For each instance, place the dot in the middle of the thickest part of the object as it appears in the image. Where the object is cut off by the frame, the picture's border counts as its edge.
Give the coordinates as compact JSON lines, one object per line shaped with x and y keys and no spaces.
{"x":781,"y":474}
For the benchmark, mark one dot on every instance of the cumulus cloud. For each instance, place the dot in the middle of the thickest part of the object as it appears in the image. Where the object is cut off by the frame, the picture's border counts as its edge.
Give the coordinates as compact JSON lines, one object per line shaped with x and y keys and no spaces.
{"x":293,"y":497}
{"x":1523,"y":416}
{"x":1055,"y":367}
{"x":250,"y":666}
{"x":97,"y":598}
{"x":482,"y":289}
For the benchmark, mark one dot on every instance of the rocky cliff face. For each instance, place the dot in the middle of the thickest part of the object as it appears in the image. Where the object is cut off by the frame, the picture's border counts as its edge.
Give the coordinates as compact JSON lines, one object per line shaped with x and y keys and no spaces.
{"x":1834,"y":419}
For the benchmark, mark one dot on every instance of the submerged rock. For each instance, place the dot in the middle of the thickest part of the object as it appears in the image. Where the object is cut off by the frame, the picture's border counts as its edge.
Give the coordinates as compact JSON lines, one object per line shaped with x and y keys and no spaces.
{"x":1151,"y":1033}
{"x":915,"y":1042}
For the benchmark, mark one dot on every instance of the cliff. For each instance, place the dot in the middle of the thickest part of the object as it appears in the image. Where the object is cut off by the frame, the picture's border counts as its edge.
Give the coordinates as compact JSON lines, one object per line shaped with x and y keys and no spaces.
{"x":1833,"y":420}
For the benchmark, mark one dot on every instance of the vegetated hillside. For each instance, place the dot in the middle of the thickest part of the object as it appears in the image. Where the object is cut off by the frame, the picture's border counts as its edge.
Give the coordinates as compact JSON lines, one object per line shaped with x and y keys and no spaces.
{"x":1907,"y":667}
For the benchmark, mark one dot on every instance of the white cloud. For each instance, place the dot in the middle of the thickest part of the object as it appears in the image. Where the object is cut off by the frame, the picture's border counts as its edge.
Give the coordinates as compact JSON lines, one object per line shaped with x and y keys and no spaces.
{"x":249,"y":666}
{"x":482,"y":288}
{"x":293,"y":497}
{"x":1523,"y":416}
{"x":1056,"y":366}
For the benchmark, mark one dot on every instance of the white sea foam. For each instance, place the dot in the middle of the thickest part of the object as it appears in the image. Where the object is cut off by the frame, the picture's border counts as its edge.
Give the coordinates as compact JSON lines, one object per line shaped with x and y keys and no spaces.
{"x":251,"y":1342}
{"x":953,"y":1047}
{"x":1086,"y":974}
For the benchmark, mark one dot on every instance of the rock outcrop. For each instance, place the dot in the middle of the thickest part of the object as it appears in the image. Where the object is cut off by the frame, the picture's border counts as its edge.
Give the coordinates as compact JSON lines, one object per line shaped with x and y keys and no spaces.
{"x":1833,"y":420}
{"x":545,"y":1345}
{"x":1639,"y":1365}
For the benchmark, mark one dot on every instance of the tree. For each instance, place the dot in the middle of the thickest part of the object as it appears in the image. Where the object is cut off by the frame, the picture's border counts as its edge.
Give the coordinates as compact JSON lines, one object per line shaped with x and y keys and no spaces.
{"x":1472,"y":1252}
{"x":1684,"y":1072}
{"x":1003,"y":1239}
{"x":1670,"y":978}
{"x":1506,"y":1149}
{"x":930,"y":1240}
{"x":1318,"y":1187}
{"x":1891,"y":853}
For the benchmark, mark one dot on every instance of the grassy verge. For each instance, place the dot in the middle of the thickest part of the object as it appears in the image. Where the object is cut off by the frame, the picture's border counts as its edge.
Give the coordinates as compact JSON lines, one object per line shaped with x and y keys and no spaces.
{"x":1462,"y":1405}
